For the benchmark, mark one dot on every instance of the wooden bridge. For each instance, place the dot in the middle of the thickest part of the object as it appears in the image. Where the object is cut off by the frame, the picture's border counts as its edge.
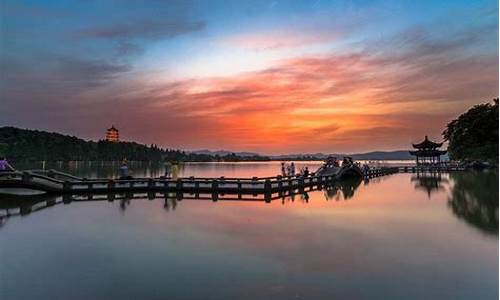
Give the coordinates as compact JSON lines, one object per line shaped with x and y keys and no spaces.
{"x":52,"y":181}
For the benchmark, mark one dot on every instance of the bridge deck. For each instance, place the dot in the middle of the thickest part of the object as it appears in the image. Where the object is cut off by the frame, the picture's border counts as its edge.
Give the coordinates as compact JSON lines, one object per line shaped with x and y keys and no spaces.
{"x":56,"y":182}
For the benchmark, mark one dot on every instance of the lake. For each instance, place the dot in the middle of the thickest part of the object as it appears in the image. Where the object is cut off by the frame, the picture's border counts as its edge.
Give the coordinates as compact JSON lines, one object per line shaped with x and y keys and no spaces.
{"x":402,"y":236}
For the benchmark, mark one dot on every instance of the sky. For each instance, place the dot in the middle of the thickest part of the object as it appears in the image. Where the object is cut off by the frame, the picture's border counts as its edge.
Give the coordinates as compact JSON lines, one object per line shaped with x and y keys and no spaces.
{"x":270,"y":77}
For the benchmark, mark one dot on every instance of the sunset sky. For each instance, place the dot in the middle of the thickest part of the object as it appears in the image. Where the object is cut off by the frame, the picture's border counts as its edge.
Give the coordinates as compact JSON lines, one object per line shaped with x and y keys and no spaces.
{"x":264,"y":76}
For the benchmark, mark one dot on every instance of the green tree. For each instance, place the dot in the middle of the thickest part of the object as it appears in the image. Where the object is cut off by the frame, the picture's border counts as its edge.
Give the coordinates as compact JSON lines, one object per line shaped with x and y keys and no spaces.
{"x":474,"y":135}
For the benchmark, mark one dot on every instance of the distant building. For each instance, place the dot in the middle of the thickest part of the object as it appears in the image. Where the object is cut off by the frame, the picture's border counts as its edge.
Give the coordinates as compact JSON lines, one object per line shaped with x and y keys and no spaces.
{"x":427,"y":152}
{"x":112,"y":134}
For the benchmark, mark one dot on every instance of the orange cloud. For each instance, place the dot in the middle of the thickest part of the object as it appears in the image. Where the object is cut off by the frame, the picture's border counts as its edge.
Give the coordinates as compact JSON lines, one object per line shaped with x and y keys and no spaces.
{"x":332,"y":103}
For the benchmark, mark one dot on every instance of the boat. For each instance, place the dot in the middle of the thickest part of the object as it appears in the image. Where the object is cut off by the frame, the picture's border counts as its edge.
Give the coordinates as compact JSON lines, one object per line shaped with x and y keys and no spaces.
{"x":348,"y":169}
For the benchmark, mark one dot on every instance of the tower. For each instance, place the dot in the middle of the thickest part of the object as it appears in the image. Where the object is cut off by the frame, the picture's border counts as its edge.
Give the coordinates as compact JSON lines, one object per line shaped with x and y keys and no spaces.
{"x":112,"y":134}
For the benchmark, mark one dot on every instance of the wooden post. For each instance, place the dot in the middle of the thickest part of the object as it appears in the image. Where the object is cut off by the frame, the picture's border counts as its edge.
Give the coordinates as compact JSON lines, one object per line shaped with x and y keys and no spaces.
{"x":67,"y":199}
{"x":280,"y":184}
{"x":267,"y":198}
{"x":111,"y":184}
{"x":215,"y":190}
{"x":196,"y":189}
{"x":66,"y":186}
{"x":151,"y":183}
{"x":267,"y":186}
{"x":215,"y":197}
{"x":179,"y":185}
{"x":239,"y":189}
{"x":111,"y":197}
{"x":26,"y":177}
{"x":301,"y":184}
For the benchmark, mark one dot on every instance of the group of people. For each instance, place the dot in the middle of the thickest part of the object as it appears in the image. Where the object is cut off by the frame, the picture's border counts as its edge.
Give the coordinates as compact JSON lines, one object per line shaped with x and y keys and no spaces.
{"x":171,"y":169}
{"x":289,"y":170}
{"x":124,"y":171}
{"x":332,"y":161}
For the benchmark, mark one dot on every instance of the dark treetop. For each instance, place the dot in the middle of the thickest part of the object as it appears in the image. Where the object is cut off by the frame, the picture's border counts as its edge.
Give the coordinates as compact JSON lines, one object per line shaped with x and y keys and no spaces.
{"x":474,"y":135}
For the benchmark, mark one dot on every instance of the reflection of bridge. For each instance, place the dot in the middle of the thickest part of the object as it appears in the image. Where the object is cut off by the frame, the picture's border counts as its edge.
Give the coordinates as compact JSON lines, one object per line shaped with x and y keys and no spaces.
{"x":24,"y":205}
{"x":430,"y":168}
{"x":61,"y":183}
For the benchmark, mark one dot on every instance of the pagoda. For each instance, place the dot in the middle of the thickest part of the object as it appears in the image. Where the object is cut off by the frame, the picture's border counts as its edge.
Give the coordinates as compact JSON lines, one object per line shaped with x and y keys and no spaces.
{"x":112,"y":134}
{"x":427,"y":152}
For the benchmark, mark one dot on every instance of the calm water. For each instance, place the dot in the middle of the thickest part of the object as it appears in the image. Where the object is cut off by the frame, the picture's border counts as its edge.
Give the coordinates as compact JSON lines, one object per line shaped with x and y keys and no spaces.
{"x":398,"y":237}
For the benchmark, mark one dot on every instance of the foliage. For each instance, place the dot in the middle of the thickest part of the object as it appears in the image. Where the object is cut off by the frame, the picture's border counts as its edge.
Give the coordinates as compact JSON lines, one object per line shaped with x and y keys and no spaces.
{"x":474,"y":135}
{"x":474,"y":198}
{"x":33,"y":145}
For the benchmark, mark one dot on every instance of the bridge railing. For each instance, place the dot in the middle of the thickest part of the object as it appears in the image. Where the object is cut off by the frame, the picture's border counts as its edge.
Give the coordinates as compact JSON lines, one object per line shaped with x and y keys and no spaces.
{"x":68,"y":183}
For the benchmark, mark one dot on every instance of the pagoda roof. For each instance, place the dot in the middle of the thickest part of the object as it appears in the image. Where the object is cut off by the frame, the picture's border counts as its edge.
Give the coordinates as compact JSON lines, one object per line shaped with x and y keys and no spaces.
{"x":426,"y":144}
{"x":428,"y":153}
{"x":113,"y":128}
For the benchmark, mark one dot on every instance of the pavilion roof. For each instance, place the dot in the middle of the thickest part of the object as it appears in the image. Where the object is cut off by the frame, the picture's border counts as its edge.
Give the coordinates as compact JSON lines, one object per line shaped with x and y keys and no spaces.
{"x":426,"y":144}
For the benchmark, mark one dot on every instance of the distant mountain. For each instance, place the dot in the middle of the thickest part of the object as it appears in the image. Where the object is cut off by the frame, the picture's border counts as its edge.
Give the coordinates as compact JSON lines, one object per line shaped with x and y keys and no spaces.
{"x":384,"y":155}
{"x":375,"y":155}
{"x":223,"y":153}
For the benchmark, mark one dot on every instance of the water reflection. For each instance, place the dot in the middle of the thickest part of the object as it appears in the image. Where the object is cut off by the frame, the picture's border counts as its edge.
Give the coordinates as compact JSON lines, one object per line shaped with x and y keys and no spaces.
{"x":429,"y":182}
{"x":123,"y":248}
{"x":474,"y":199}
{"x":89,"y":169}
{"x":22,"y":206}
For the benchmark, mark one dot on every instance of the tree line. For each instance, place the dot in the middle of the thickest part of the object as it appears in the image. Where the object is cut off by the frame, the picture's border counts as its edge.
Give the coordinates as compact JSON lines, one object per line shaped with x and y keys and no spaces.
{"x":473,"y":136}
{"x":33,"y":145}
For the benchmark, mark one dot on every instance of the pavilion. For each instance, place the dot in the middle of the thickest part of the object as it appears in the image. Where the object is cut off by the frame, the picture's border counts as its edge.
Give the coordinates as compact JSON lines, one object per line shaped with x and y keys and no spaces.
{"x":427,"y":152}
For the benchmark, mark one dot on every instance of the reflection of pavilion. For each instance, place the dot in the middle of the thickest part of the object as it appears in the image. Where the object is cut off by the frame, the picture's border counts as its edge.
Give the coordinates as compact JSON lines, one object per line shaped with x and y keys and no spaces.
{"x":429,"y":182}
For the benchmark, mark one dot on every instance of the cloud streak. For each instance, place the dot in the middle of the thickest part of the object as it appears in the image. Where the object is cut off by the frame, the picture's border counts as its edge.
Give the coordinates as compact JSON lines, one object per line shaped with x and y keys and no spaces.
{"x":146,"y":29}
{"x":360,"y":94}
